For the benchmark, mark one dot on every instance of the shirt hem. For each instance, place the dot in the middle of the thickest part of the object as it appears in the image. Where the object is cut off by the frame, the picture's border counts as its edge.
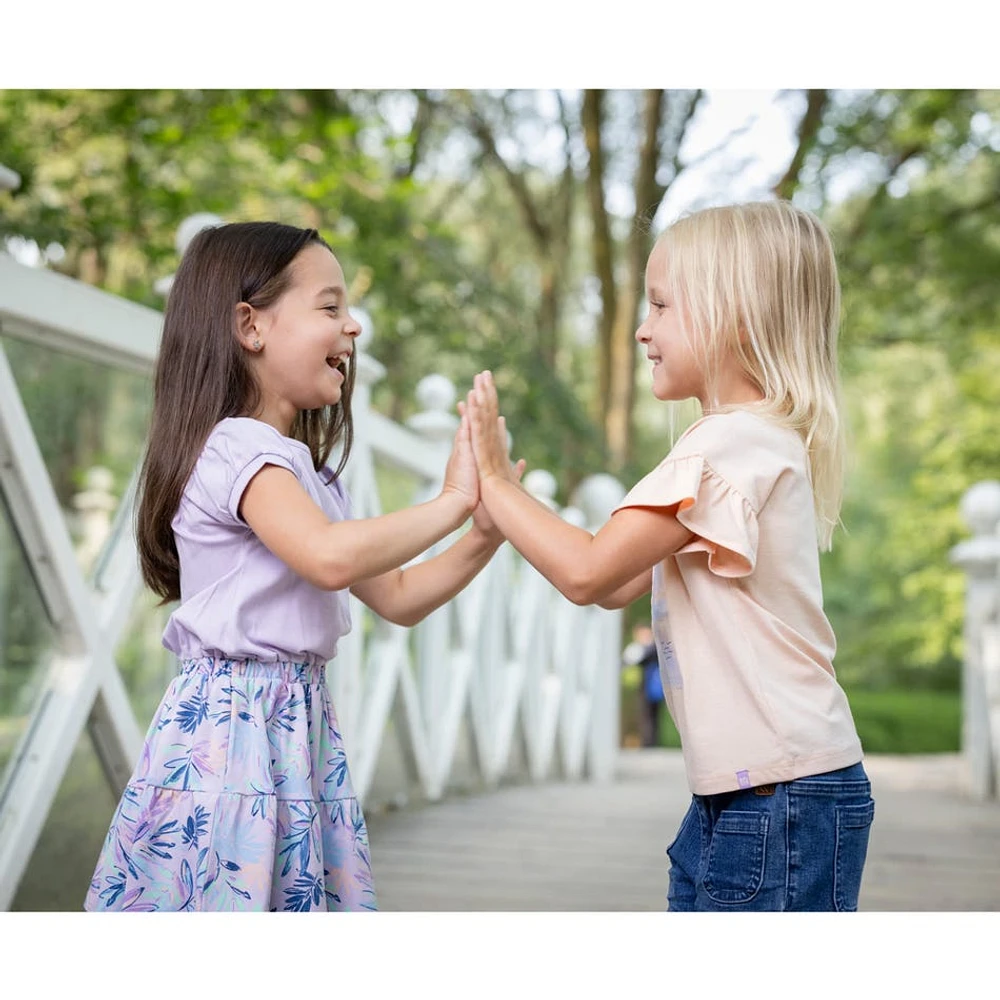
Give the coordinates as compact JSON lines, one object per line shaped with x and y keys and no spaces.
{"x":787,"y":770}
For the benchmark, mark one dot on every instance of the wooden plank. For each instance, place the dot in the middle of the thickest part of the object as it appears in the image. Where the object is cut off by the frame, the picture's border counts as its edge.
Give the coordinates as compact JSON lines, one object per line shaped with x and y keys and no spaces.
{"x":601,"y":846}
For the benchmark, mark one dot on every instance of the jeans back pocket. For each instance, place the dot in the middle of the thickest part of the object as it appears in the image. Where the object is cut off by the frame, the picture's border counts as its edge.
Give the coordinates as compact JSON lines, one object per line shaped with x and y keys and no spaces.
{"x":735,"y":869}
{"x":853,"y":828}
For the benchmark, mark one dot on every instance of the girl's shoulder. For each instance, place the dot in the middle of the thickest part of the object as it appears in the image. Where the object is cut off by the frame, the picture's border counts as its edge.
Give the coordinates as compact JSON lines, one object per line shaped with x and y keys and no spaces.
{"x":248,"y":433}
{"x":738,"y":432}
{"x":234,"y":451}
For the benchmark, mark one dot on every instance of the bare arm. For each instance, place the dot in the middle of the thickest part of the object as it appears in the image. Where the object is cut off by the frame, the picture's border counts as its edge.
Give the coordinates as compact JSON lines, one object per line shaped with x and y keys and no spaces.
{"x":407,"y":596}
{"x":338,"y":554}
{"x":586,"y":568}
{"x":631,"y":591}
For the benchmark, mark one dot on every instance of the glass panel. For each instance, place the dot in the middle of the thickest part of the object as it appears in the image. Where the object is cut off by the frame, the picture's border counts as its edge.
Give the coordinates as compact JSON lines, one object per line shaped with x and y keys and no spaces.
{"x":86,"y":417}
{"x":61,"y":866}
{"x":26,"y":640}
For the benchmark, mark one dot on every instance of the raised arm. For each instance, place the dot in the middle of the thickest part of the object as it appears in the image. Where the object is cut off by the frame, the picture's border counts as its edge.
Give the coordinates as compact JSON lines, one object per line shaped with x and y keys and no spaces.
{"x":339,"y":554}
{"x":586,"y":568}
{"x":406,"y":596}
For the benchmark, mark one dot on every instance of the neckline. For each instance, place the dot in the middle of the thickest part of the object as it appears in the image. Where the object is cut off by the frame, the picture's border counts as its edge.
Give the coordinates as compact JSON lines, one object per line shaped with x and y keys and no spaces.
{"x":284,"y":437}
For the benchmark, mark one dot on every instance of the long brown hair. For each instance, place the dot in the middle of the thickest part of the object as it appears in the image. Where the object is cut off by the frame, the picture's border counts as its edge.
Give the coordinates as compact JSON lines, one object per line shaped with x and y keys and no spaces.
{"x":202,"y":375}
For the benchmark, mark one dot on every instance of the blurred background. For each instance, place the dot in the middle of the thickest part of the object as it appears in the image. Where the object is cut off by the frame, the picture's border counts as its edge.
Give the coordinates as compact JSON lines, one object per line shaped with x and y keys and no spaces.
{"x":509,"y":230}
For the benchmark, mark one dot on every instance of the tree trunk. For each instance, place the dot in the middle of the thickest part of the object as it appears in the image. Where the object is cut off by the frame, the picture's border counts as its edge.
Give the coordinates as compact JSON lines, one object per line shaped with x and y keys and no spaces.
{"x":592,"y":120}
{"x":648,"y":195}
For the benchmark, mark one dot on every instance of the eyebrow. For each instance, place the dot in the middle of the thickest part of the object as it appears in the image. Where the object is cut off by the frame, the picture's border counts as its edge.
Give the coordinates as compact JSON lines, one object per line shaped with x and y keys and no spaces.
{"x":330,"y":290}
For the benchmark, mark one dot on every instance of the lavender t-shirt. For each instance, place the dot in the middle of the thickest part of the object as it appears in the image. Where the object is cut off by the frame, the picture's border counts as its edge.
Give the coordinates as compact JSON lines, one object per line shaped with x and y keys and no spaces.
{"x":238,"y":599}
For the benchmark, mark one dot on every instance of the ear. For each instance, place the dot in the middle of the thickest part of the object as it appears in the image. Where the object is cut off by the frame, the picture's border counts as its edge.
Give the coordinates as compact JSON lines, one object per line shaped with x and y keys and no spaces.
{"x":245,"y":321}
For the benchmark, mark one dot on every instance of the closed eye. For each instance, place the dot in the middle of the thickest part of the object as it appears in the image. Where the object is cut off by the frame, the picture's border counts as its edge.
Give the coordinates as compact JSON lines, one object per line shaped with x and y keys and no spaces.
{"x":333,"y":310}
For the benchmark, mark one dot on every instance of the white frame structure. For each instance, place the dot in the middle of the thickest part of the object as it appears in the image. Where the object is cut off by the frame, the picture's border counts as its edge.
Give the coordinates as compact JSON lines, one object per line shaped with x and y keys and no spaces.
{"x":508,"y":658}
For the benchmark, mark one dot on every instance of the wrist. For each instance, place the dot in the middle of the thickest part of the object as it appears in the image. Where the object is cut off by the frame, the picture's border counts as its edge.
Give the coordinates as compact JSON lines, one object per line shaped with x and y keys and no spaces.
{"x":459,"y":504}
{"x":487,"y":539}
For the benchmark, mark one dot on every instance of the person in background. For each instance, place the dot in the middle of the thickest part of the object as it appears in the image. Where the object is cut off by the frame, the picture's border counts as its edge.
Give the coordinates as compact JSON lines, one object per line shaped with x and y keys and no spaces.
{"x":641,"y":652}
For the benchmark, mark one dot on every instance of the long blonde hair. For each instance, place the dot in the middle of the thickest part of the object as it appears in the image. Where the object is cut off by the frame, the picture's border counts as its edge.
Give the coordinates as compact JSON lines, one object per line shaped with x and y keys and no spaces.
{"x":760,"y":280}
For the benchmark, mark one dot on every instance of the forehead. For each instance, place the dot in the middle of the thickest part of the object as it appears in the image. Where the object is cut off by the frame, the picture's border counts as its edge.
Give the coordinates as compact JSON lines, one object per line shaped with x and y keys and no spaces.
{"x":656,"y":266}
{"x":316,"y":268}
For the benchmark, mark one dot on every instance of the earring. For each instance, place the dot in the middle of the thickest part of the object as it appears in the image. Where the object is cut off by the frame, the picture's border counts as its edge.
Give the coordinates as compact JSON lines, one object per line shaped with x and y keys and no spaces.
{"x":257,"y":345}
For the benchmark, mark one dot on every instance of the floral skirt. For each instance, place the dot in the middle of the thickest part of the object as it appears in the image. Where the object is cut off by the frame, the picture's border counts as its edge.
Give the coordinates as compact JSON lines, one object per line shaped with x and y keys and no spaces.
{"x":241,"y":800}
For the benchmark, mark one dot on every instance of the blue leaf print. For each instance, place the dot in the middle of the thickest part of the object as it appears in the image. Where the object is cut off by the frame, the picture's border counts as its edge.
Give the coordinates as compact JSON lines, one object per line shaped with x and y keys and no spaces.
{"x":239,"y":892}
{"x":225,"y":707}
{"x":192,"y":713}
{"x":182,"y":767}
{"x":305,"y":893}
{"x":284,"y":714}
{"x":299,"y":838}
{"x":196,"y":826}
{"x":187,"y":880}
{"x":116,"y":886}
{"x":231,"y":865}
{"x":158,"y":844}
{"x":339,"y":770}
{"x":165,"y":717}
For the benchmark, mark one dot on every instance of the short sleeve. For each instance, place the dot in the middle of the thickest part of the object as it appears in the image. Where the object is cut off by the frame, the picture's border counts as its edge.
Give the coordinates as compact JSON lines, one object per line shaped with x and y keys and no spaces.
{"x":236,"y":450}
{"x":723,"y":521}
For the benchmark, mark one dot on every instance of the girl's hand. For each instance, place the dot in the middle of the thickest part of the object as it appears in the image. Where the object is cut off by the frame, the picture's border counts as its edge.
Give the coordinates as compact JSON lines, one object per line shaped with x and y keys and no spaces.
{"x":488,"y":430}
{"x":461,"y":475}
{"x":481,"y":516}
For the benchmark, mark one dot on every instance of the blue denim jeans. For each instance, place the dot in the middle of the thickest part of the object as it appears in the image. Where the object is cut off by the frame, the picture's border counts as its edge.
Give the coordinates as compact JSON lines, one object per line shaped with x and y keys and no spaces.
{"x":797,"y":845}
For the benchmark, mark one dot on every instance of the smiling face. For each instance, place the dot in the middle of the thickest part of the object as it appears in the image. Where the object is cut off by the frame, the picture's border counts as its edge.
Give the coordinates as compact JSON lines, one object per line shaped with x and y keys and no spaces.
{"x":677,"y":373}
{"x":307,"y":338}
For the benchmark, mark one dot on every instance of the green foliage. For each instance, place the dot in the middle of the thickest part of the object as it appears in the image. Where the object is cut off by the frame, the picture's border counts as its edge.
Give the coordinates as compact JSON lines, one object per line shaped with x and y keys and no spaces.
{"x":919,"y":248}
{"x":907,"y":721}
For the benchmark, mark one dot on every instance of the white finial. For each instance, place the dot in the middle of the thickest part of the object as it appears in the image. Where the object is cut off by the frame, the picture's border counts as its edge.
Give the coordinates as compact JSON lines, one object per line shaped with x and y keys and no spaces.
{"x":186,"y":232}
{"x":192,"y":226}
{"x":436,"y":392}
{"x":542,"y":485}
{"x":10,"y":180}
{"x":597,"y":496}
{"x":980,"y":507}
{"x":437,"y":419}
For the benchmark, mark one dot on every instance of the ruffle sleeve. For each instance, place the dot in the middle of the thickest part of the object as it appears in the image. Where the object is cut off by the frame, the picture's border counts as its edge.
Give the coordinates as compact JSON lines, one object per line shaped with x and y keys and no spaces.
{"x":236,"y":450}
{"x":722,"y":519}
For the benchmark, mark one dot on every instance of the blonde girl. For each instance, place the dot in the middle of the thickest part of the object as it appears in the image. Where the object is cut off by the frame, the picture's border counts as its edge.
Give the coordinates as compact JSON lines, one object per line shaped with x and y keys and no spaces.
{"x":725,"y":534}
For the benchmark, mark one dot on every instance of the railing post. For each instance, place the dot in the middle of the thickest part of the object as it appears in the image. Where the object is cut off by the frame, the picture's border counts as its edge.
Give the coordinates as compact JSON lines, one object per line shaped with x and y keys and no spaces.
{"x":979,"y":556}
{"x":436,"y":423}
{"x":597,"y":496}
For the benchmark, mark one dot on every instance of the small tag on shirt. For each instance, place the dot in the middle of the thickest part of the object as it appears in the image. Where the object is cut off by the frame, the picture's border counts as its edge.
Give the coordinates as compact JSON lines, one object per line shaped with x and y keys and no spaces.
{"x":743,"y":777}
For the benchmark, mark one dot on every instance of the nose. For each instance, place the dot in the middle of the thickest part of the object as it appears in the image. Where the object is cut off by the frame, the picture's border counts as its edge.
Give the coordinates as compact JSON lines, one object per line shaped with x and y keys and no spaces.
{"x":352,"y":327}
{"x":641,"y":336}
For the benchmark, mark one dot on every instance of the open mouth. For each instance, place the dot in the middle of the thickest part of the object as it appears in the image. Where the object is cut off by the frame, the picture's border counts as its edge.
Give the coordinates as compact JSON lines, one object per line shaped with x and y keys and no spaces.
{"x":338,"y":362}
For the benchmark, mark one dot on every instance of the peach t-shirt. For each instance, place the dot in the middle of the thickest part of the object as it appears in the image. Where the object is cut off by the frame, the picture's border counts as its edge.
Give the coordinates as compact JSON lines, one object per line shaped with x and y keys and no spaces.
{"x":744,"y":646}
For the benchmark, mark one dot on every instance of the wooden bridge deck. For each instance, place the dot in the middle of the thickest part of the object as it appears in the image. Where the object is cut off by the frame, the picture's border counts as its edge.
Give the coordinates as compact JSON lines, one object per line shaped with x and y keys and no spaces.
{"x":590,"y":847}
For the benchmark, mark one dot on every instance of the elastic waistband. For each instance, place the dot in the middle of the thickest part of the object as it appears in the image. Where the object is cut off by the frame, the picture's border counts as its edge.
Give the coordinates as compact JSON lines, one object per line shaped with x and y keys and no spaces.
{"x":285,"y":670}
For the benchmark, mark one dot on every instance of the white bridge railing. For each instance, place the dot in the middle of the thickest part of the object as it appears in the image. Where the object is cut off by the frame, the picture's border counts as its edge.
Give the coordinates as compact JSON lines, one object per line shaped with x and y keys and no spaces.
{"x":507,"y":681}
{"x":979,"y":556}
